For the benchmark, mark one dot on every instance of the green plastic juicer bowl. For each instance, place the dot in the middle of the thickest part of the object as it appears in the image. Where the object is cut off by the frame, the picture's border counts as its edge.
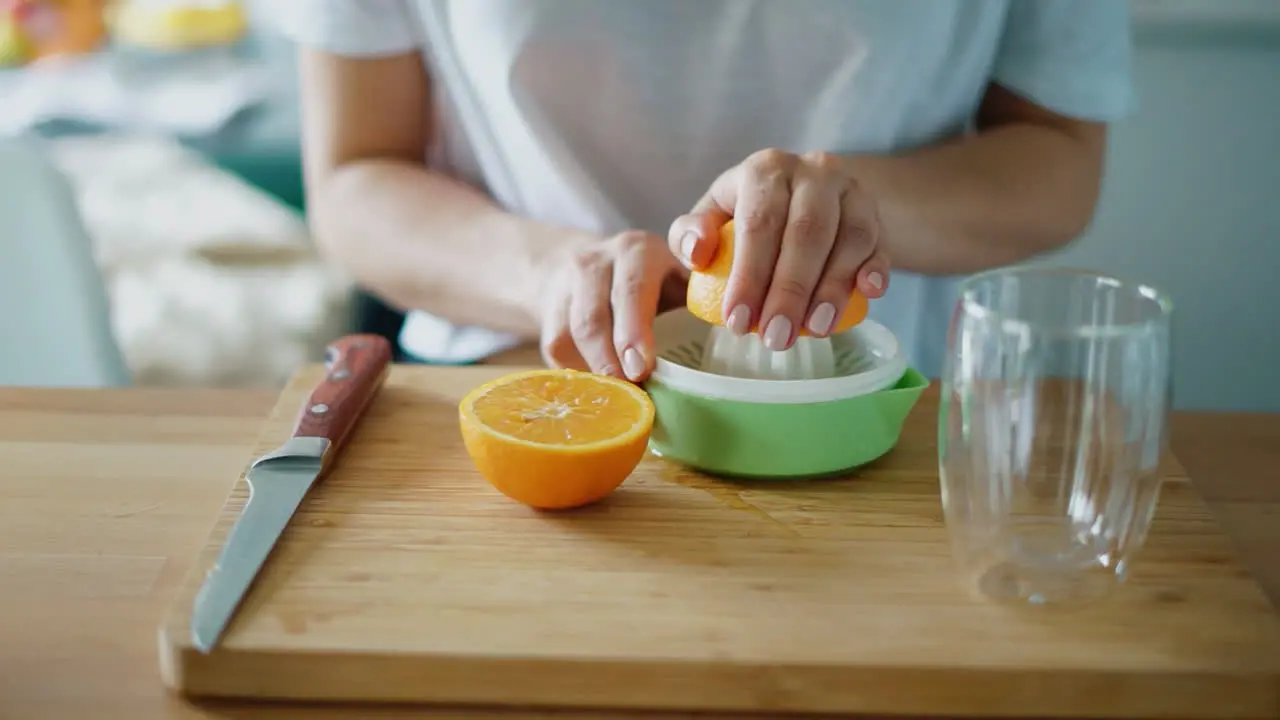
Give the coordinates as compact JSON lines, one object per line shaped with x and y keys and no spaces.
{"x":770,"y":428}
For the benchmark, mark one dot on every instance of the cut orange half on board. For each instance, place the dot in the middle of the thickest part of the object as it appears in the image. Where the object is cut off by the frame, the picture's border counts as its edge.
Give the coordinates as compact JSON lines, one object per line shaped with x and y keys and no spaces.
{"x":705,"y":297}
{"x":556,"y":439}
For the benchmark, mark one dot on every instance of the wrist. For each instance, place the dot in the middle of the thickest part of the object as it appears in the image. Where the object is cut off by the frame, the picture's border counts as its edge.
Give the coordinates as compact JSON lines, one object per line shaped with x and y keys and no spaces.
{"x":550,"y":249}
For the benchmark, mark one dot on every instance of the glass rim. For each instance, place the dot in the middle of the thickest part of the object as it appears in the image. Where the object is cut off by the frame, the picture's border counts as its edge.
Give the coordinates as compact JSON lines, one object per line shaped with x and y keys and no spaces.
{"x":1018,"y":326}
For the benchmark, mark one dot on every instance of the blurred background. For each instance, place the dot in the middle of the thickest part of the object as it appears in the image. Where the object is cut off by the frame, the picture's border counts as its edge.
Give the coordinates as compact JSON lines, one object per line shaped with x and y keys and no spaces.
{"x":151,"y":204}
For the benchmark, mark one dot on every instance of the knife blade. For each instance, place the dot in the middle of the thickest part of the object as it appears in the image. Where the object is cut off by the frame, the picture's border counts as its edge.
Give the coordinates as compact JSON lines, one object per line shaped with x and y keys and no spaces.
{"x":355,"y":368}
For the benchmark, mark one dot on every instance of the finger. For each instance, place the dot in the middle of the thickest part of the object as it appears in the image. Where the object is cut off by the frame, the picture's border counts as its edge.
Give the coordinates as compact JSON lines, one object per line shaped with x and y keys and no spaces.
{"x":693,"y":238}
{"x":556,"y":344}
{"x":590,"y":317}
{"x":873,"y":277}
{"x":812,"y":221}
{"x":763,"y":198}
{"x":638,"y":275}
{"x":859,"y":224}
{"x":854,"y":246}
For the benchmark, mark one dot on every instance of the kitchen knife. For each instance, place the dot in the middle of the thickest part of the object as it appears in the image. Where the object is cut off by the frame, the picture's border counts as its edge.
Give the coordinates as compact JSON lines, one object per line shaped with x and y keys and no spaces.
{"x":355,"y":368}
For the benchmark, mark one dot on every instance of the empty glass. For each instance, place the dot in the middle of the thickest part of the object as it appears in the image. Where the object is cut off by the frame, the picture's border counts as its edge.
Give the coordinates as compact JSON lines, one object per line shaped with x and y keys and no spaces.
{"x":1055,"y":399}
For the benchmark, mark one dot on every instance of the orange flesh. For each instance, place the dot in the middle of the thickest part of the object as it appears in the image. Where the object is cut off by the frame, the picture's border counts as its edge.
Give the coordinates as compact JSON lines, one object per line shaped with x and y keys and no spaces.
{"x":557,"y":410}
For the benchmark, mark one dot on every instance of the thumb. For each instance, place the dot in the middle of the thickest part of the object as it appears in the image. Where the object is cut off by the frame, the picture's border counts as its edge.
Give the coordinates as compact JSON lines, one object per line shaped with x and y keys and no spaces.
{"x":694,"y":238}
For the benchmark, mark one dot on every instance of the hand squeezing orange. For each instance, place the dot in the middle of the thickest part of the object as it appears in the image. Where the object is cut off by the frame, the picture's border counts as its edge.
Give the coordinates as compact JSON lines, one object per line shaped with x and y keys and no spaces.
{"x":556,"y":439}
{"x":705,"y":298}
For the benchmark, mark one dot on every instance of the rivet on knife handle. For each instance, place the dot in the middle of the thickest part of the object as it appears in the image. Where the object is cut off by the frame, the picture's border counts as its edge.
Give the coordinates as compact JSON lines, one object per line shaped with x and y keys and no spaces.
{"x":355,"y":368}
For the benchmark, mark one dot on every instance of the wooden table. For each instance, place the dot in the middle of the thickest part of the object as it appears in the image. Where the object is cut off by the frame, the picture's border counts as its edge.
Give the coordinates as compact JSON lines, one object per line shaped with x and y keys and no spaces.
{"x":105,"y":497}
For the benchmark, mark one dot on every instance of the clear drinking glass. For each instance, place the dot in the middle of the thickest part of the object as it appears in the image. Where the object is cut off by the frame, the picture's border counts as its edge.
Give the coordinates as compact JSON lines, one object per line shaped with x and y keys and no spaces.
{"x":1054,"y":417}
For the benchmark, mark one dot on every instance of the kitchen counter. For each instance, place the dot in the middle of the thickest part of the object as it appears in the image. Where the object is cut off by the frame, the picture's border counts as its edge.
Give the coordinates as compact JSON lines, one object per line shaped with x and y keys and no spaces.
{"x":106,"y":496}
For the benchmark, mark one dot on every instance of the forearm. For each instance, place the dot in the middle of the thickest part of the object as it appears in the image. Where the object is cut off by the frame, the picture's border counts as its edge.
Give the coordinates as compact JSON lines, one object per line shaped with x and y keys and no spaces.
{"x":985,"y":200}
{"x":425,"y":241}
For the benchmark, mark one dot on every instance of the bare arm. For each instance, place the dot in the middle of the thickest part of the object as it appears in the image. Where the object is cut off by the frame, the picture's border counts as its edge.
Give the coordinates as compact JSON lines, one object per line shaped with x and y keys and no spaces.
{"x":1025,"y":184}
{"x":416,"y":238}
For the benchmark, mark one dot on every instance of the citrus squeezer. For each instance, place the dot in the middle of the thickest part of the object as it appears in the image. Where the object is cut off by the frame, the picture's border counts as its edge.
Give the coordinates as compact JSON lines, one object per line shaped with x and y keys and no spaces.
{"x":728,"y":405}
{"x":712,"y":361}
{"x":747,"y":356}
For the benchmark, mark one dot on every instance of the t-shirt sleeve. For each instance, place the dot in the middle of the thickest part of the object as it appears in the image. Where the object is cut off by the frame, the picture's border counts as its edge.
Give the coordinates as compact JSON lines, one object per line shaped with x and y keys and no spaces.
{"x":1074,"y":57}
{"x":359,"y":28}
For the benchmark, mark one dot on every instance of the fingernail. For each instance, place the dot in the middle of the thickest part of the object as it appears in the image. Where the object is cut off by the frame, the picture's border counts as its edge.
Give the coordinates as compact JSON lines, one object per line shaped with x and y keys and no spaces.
{"x":778,"y":333}
{"x":632,"y":363}
{"x":687,"y":245}
{"x":876,"y":281}
{"x":739,"y":321}
{"x":822,"y":318}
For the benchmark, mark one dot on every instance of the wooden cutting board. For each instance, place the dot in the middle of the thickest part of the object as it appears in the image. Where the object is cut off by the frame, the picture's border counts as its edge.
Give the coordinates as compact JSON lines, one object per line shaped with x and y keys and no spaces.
{"x":405,"y":577}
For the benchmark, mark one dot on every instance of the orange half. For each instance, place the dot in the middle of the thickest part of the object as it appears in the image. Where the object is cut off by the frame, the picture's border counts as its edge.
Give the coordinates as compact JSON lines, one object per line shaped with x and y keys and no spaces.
{"x":705,"y":297}
{"x":556,"y":439}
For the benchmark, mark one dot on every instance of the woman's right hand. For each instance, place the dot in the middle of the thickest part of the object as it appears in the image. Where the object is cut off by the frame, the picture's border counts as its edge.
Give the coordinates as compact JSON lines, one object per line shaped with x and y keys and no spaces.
{"x":601,"y":302}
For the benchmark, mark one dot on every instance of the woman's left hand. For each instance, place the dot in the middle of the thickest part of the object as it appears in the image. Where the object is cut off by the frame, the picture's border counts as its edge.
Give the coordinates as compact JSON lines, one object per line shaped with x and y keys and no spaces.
{"x":806,"y":235}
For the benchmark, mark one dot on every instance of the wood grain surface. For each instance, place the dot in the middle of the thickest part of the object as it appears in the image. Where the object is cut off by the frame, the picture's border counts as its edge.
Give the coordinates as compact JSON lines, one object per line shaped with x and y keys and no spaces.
{"x":406,"y":578}
{"x":101,"y":486}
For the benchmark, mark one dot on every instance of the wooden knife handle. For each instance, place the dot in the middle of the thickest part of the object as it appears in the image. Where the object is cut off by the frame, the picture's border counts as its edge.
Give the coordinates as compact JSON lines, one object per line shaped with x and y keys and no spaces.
{"x":355,"y":368}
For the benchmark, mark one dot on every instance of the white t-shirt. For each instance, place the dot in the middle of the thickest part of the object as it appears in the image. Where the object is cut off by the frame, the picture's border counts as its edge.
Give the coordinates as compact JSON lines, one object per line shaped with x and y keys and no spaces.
{"x":617,"y":114}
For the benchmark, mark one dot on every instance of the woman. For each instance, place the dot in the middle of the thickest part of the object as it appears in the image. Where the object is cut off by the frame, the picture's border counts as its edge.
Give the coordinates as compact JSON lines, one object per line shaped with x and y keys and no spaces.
{"x":512,"y":169}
